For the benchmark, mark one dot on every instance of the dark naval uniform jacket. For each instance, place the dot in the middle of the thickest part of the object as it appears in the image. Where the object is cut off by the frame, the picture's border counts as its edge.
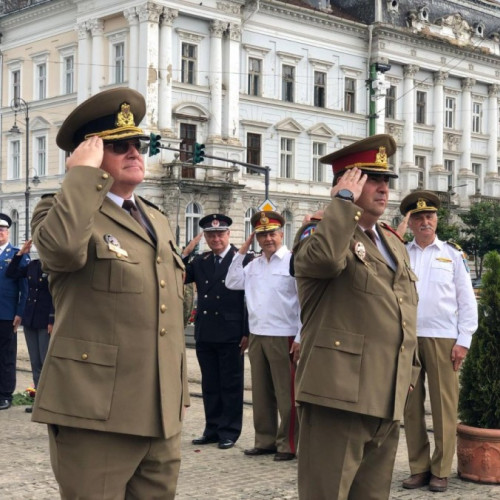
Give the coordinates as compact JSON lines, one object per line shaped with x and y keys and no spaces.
{"x":39,"y":310}
{"x":116,"y":360}
{"x":220,"y":313}
{"x":358,"y":338}
{"x":13,"y":292}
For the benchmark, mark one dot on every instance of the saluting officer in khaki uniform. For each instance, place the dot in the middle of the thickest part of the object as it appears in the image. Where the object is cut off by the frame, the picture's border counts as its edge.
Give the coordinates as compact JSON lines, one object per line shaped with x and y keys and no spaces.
{"x":359,"y":303}
{"x":113,"y":385}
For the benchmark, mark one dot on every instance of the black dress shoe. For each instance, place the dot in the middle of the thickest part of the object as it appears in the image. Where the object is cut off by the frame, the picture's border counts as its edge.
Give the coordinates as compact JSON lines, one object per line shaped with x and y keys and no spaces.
{"x":225,"y":444}
{"x":29,"y":409}
{"x":205,"y":440}
{"x":282,"y":456}
{"x":4,"y":404}
{"x":253,"y":452}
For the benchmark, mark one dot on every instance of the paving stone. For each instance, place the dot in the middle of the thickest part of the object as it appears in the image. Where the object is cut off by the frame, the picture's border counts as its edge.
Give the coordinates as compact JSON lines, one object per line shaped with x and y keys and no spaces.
{"x":207,"y":473}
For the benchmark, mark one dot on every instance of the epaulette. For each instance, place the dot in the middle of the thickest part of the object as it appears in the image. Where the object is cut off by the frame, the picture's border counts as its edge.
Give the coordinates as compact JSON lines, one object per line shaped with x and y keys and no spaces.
{"x":147,"y":202}
{"x":456,"y":246}
{"x":385,"y":226}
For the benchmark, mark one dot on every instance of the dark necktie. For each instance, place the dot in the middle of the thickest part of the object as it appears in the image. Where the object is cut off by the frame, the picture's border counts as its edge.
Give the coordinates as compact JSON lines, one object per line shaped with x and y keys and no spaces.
{"x":130,"y":207}
{"x":371,"y":234}
{"x":217,"y":260}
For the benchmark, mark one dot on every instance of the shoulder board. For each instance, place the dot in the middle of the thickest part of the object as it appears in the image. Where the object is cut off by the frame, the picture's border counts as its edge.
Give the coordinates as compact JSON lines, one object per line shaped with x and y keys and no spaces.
{"x":385,"y":226}
{"x":147,"y":202}
{"x":456,"y":246}
{"x":205,"y":255}
{"x":48,"y":195}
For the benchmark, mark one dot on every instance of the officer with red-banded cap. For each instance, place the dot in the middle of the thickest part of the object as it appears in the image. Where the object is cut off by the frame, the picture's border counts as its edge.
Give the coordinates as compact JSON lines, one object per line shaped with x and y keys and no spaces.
{"x":358,"y":301}
{"x":446,"y":320}
{"x":117,"y":285}
{"x":274,"y":323}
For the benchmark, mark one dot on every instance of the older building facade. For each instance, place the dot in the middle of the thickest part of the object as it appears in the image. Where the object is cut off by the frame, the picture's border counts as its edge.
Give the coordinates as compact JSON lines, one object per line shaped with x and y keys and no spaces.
{"x":276,"y":84}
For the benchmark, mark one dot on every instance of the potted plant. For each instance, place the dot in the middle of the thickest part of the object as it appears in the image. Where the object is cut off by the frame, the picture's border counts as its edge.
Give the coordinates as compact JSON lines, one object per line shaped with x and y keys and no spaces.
{"x":478,"y":434}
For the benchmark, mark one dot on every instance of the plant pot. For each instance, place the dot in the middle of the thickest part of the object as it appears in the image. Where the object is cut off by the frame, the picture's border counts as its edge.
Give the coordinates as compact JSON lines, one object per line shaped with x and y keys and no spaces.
{"x":478,"y":452}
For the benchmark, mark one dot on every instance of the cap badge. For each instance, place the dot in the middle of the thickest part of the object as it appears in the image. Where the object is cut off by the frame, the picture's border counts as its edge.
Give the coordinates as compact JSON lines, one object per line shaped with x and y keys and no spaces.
{"x":263,"y":219}
{"x":360,"y":251}
{"x":421,"y":203}
{"x":215,"y":223}
{"x":125,"y":118}
{"x":381,"y":156}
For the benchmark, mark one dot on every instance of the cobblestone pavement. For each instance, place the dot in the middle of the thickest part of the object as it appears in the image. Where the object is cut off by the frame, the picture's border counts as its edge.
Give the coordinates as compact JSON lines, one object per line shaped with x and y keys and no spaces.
{"x":207,"y":473}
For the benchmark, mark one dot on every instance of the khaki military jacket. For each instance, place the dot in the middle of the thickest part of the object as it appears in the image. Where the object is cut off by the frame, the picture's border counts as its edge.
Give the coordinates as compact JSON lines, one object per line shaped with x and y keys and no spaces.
{"x":359,"y":317}
{"x":116,"y":360}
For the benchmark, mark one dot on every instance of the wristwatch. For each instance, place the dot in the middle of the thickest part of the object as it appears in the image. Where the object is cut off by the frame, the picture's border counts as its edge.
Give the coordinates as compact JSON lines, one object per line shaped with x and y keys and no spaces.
{"x":345,"y":194}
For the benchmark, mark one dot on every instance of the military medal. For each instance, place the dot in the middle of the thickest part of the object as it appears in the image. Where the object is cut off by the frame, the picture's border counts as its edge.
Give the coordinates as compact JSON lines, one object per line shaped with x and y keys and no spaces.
{"x":360,"y":251}
{"x":114,"y":246}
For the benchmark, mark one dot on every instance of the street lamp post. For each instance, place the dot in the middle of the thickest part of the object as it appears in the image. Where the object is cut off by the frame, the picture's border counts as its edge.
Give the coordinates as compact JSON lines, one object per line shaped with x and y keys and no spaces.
{"x":20,"y":105}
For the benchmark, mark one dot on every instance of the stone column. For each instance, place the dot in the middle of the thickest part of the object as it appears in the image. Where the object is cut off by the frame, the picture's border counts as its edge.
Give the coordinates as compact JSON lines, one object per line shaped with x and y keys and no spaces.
{"x":408,"y":173}
{"x":232,"y":83}
{"x":133,"y":58}
{"x":409,"y":72}
{"x":83,"y":69}
{"x":97,"y":80}
{"x":217,"y":28}
{"x":438,"y":112}
{"x":165,"y":71}
{"x":465,"y":176}
{"x":492,"y":179}
{"x":149,"y":16}
{"x":439,"y":179}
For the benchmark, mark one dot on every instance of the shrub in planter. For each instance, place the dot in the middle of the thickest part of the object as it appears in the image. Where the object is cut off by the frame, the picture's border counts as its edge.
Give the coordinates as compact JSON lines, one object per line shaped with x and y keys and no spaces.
{"x":479,"y":402}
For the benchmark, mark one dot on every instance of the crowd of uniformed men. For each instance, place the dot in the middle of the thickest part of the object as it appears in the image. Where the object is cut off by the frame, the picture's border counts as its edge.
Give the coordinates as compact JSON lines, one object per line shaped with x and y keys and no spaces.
{"x":338,"y":349}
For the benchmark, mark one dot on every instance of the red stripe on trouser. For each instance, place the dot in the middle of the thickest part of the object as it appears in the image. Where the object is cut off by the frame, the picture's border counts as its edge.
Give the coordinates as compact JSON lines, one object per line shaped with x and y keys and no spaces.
{"x":293,"y":415}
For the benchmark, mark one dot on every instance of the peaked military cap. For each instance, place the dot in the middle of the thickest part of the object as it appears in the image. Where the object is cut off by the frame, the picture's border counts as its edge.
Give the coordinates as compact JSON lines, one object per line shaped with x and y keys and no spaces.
{"x":5,"y":220}
{"x":112,"y":115}
{"x":420,"y":201}
{"x":215,"y":222}
{"x":267,"y":221}
{"x":370,"y":155}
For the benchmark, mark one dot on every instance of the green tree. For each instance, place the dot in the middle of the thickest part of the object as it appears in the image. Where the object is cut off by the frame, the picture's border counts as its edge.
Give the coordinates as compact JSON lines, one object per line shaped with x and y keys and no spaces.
{"x":445,"y":230}
{"x":481,"y":233}
{"x":479,"y":403}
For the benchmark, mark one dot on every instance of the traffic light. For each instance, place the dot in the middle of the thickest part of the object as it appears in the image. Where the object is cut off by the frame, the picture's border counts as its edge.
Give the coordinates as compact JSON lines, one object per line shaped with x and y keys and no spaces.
{"x":154,"y":144}
{"x":198,"y":153}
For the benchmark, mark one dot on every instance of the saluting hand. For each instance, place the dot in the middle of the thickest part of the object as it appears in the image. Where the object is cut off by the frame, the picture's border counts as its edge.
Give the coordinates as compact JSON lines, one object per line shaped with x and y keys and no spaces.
{"x":354,"y":179}
{"x":89,"y":153}
{"x":246,"y":246}
{"x":192,"y":244}
{"x":25,"y":248}
{"x":401,"y":230}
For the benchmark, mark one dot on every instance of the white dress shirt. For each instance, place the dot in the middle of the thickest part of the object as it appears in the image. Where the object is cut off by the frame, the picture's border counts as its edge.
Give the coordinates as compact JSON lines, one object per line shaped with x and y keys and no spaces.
{"x":270,"y":293}
{"x":447,"y":306}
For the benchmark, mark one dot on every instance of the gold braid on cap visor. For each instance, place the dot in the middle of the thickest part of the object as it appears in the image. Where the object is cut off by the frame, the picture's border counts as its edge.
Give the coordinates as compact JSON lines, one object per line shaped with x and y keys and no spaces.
{"x":267,"y":227}
{"x":117,"y":133}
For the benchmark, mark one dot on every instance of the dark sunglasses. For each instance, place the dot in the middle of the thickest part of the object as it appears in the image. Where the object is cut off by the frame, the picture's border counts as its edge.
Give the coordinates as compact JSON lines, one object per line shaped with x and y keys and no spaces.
{"x":121,"y":147}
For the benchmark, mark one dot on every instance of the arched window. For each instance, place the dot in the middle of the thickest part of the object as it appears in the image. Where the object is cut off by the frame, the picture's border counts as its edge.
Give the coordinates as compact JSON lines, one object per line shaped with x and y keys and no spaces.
{"x":248,"y":225}
{"x":288,"y":229}
{"x":193,"y":216}
{"x":14,"y":228}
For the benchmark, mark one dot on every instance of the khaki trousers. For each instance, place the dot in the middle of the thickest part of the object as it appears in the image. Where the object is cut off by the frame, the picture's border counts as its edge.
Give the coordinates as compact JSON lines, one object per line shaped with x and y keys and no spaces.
{"x":345,"y":455}
{"x":93,"y":465}
{"x":442,"y":380}
{"x":273,"y":376}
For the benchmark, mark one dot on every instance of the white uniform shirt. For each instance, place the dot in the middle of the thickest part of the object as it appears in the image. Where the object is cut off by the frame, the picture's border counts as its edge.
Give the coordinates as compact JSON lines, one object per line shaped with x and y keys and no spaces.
{"x":447,"y":306}
{"x":270,"y":293}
